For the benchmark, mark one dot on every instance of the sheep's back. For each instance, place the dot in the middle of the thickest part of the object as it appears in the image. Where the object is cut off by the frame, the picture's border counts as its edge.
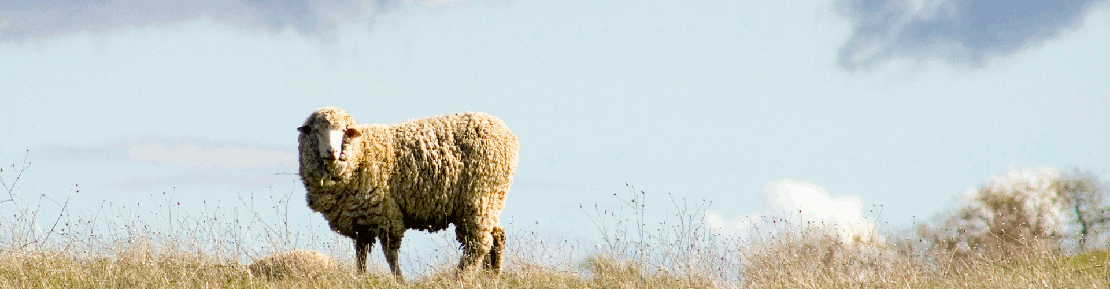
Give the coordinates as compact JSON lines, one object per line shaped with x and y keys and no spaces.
{"x":444,"y":162}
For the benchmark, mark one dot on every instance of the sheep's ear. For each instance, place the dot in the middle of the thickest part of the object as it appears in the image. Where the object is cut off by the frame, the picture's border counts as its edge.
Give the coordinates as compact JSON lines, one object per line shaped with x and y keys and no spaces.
{"x":304,"y":129}
{"x":353,"y":133}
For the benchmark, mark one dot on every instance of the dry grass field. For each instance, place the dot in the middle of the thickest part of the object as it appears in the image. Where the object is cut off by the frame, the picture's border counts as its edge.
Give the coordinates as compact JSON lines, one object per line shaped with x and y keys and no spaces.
{"x":42,"y":248}
{"x":784,"y":263}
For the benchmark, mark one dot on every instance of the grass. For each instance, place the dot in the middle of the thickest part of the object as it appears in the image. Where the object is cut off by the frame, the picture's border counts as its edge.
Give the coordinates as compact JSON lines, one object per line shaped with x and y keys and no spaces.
{"x":112,"y":250}
{"x":813,"y":260}
{"x":140,"y":270}
{"x":783,"y":267}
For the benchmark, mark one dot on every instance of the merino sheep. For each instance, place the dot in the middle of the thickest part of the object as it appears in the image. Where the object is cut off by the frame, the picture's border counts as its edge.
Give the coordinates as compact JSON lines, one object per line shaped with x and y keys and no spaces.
{"x":376,"y":181}
{"x":296,"y":263}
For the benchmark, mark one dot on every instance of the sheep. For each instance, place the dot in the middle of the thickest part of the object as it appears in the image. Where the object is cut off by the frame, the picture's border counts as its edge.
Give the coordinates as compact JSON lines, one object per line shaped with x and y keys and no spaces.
{"x":375,"y":181}
{"x":296,"y":263}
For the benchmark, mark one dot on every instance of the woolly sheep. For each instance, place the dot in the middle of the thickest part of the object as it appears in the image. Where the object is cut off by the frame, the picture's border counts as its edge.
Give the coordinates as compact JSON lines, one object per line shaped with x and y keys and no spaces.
{"x":376,"y":181}
{"x":296,"y":263}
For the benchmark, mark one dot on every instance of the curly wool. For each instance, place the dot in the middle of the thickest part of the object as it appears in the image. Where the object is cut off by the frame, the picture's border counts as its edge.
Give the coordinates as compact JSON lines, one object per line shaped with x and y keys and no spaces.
{"x":296,"y":263}
{"x":421,"y":174}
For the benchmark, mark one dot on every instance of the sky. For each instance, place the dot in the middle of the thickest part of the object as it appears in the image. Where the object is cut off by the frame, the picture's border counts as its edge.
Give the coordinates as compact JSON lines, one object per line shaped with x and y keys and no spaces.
{"x":885,"y":110}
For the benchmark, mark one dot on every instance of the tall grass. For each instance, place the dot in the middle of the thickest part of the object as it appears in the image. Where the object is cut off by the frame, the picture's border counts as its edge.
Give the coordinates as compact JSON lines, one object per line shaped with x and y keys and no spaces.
{"x":664,"y":245}
{"x":811,"y":260}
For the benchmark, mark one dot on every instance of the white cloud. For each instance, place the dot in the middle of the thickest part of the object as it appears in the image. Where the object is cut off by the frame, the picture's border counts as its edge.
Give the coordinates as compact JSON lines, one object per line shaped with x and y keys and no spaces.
{"x":190,"y":155}
{"x":1036,"y":179}
{"x":795,"y":205}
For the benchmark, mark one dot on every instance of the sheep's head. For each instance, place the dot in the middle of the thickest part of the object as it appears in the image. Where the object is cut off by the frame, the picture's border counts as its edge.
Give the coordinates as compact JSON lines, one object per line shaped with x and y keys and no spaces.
{"x":326,"y":137}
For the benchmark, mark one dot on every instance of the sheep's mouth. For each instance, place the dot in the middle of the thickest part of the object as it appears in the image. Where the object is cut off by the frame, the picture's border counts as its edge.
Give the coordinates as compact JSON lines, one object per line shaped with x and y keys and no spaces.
{"x":334,"y":167}
{"x":329,"y":158}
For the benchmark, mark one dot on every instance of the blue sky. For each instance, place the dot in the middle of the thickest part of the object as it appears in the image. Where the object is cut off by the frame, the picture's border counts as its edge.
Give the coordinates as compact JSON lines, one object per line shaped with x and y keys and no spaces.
{"x":903,"y":104}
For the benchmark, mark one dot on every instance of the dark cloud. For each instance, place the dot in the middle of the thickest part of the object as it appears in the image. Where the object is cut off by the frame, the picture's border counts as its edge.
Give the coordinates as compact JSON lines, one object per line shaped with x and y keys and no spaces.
{"x":963,"y":31}
{"x":21,"y":19}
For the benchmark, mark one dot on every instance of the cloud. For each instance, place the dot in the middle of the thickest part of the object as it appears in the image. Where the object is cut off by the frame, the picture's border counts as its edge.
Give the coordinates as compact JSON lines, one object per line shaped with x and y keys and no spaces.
{"x":958,"y":31}
{"x":180,"y":153}
{"x":241,"y":179}
{"x":36,"y":19}
{"x":795,"y":205}
{"x":148,"y":163}
{"x":1021,"y":180}
{"x":191,"y":156}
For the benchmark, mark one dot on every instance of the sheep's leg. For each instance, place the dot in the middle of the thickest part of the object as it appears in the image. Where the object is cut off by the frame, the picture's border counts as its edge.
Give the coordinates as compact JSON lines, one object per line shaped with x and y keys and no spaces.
{"x":363,"y":245}
{"x":392,"y":244}
{"x":476,"y":244}
{"x":492,"y":261}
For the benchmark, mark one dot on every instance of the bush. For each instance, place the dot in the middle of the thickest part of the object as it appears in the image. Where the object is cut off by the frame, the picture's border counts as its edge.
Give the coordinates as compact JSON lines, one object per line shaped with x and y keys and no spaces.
{"x":1033,"y":209}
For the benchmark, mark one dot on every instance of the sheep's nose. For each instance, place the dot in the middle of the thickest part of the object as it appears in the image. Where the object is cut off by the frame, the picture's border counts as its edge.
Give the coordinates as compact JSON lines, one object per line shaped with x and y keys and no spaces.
{"x":332,"y":154}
